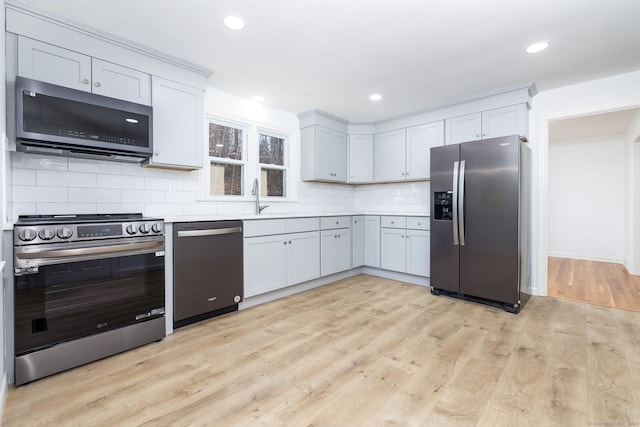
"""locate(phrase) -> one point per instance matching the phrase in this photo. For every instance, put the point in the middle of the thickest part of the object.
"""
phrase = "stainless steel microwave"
(57, 120)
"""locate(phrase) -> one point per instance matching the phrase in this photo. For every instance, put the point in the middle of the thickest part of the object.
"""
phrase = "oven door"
(72, 291)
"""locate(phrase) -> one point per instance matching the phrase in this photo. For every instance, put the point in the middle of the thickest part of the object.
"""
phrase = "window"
(272, 151)
(227, 159)
(241, 152)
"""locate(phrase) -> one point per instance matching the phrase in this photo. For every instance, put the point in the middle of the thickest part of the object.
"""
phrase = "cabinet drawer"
(264, 227)
(393, 221)
(418, 222)
(298, 225)
(329, 222)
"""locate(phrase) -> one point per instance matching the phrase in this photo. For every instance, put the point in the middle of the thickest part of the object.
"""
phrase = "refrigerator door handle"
(461, 202)
(455, 204)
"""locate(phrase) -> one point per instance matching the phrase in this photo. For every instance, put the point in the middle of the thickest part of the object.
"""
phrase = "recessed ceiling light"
(537, 47)
(233, 22)
(375, 97)
(259, 98)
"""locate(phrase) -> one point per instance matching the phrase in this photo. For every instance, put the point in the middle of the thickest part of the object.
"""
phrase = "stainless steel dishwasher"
(207, 270)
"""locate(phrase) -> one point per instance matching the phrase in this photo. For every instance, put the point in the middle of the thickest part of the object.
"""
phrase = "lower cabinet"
(357, 241)
(335, 255)
(405, 245)
(372, 241)
(274, 262)
(335, 244)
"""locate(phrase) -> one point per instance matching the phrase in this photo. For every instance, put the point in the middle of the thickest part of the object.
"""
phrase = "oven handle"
(81, 252)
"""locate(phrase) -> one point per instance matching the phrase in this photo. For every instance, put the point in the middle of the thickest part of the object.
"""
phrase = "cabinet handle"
(285, 242)
(85, 81)
(289, 241)
(97, 84)
(419, 223)
(402, 173)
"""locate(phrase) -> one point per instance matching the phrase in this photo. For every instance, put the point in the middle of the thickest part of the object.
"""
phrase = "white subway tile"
(65, 179)
(143, 196)
(95, 166)
(37, 161)
(65, 208)
(120, 207)
(18, 209)
(25, 194)
(161, 210)
(23, 177)
(120, 181)
(95, 195)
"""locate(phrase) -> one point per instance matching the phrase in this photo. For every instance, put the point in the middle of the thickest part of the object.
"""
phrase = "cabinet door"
(328, 244)
(360, 158)
(340, 151)
(303, 257)
(372, 241)
(343, 249)
(393, 249)
(52, 64)
(463, 128)
(418, 252)
(505, 121)
(389, 156)
(264, 264)
(357, 241)
(177, 125)
(420, 139)
(120, 82)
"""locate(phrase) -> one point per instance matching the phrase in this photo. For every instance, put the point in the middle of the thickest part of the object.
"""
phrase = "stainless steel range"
(86, 287)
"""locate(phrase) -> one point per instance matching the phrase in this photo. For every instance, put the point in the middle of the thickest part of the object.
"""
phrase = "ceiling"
(419, 54)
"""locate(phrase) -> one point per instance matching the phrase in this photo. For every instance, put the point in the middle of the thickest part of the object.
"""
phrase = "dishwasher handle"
(209, 232)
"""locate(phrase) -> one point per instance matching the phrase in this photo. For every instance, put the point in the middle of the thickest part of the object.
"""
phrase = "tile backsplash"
(39, 184)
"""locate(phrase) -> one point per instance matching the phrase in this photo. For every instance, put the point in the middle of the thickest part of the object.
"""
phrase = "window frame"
(285, 167)
(251, 162)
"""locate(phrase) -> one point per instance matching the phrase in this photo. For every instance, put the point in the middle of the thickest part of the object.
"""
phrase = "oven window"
(66, 301)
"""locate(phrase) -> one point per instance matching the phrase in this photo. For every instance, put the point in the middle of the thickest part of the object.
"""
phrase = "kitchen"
(88, 186)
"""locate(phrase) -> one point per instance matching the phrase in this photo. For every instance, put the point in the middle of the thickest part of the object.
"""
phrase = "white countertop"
(222, 217)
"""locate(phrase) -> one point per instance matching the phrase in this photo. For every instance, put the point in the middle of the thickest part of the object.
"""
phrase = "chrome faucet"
(256, 192)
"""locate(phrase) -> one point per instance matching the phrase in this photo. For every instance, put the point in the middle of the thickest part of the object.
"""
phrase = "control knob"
(131, 229)
(156, 227)
(27, 235)
(65, 233)
(144, 228)
(46, 234)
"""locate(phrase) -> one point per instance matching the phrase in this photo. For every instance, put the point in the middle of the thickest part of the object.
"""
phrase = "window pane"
(226, 179)
(271, 150)
(225, 142)
(272, 182)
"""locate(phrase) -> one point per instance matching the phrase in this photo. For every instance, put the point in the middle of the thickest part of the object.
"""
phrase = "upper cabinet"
(63, 67)
(360, 159)
(323, 154)
(177, 125)
(404, 154)
(511, 120)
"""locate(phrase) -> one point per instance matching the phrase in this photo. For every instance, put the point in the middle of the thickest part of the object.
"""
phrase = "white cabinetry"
(59, 66)
(178, 132)
(511, 120)
(275, 261)
(420, 139)
(404, 154)
(360, 158)
(389, 156)
(357, 241)
(405, 244)
(323, 154)
(335, 245)
(372, 241)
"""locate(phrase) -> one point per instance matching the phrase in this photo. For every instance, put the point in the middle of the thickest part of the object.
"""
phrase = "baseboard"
(3, 395)
(585, 257)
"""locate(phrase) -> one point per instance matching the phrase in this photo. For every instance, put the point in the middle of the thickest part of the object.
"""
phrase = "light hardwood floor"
(603, 283)
(364, 351)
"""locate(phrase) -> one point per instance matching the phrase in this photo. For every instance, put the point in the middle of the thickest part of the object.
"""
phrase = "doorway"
(588, 210)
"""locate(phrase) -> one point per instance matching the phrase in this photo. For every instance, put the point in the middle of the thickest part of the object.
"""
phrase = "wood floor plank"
(362, 351)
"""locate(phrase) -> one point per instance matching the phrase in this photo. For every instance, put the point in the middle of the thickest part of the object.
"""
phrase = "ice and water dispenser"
(443, 205)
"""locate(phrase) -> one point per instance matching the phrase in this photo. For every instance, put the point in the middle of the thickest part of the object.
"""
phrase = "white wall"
(585, 176)
(607, 94)
(632, 192)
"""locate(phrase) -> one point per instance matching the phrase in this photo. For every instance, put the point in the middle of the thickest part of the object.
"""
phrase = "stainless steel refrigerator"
(479, 221)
